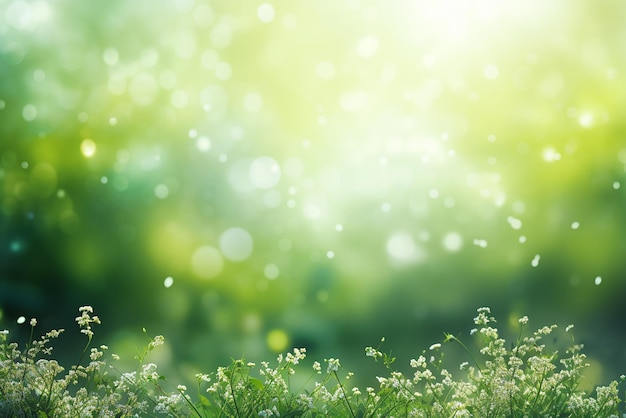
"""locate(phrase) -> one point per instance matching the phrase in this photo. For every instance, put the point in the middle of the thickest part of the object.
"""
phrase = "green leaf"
(255, 383)
(204, 401)
(295, 413)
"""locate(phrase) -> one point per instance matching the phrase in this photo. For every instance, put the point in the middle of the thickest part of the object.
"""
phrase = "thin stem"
(453, 338)
(345, 396)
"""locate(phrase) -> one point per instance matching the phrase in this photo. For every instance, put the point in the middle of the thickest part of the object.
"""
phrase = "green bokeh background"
(328, 171)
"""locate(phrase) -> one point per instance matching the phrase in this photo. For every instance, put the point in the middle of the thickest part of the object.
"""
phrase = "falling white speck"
(616, 185)
(21, 320)
(168, 282)
(339, 227)
(330, 254)
(480, 243)
(522, 239)
(535, 261)
(385, 207)
(514, 222)
(575, 225)
(598, 280)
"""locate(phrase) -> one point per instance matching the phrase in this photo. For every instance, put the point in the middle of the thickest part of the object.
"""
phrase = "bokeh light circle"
(236, 244)
(206, 262)
(264, 173)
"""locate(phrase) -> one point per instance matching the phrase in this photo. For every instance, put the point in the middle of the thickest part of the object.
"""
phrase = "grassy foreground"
(495, 381)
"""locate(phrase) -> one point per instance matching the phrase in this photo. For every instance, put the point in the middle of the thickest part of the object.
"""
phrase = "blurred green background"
(244, 177)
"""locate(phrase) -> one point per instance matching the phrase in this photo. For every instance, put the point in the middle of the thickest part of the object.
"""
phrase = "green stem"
(345, 396)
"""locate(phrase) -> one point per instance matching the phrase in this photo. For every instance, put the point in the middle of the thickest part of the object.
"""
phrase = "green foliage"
(525, 380)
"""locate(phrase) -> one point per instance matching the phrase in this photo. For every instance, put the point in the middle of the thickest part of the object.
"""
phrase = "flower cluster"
(32, 384)
(499, 379)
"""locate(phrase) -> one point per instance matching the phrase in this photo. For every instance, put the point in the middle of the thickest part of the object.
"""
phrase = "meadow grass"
(525, 380)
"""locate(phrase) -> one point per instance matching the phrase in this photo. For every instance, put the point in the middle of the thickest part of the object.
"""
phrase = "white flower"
(33, 322)
(372, 352)
(333, 365)
(435, 346)
(317, 367)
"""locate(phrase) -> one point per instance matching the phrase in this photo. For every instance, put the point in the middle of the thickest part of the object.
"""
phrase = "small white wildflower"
(155, 342)
(54, 333)
(420, 362)
(95, 354)
(569, 328)
(115, 357)
(356, 391)
(317, 367)
(435, 346)
(250, 364)
(181, 388)
(473, 331)
(372, 352)
(523, 320)
(33, 322)
(464, 365)
(546, 330)
(333, 365)
(203, 377)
